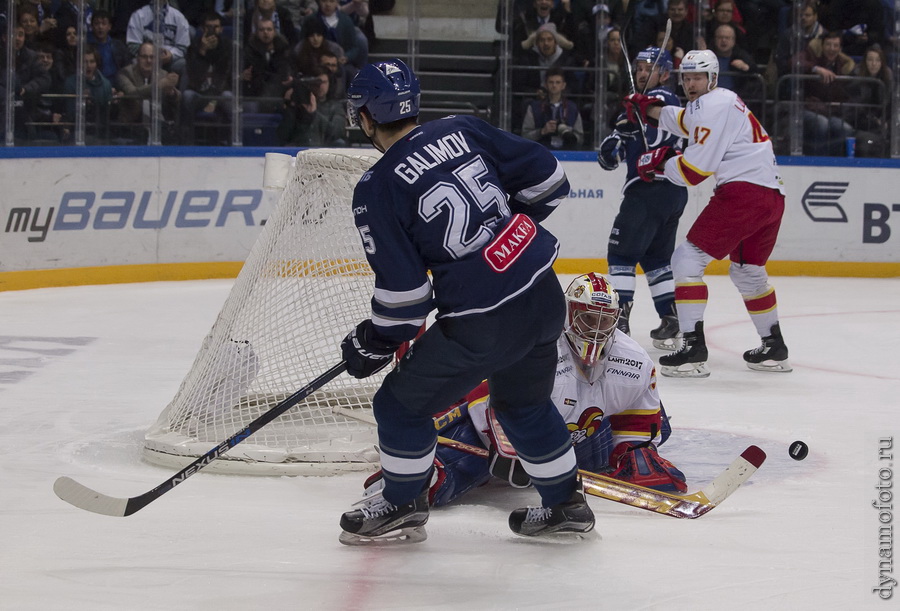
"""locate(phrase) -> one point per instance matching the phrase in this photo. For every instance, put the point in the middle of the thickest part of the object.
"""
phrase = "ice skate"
(666, 336)
(573, 516)
(624, 312)
(378, 522)
(772, 355)
(689, 361)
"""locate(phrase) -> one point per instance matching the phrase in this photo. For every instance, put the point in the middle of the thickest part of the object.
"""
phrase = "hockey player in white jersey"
(605, 390)
(740, 221)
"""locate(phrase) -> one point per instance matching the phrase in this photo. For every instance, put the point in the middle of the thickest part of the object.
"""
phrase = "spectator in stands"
(726, 12)
(541, 12)
(676, 54)
(49, 109)
(638, 21)
(208, 71)
(334, 111)
(97, 90)
(135, 81)
(267, 71)
(759, 17)
(682, 35)
(339, 28)
(735, 62)
(554, 121)
(549, 50)
(309, 51)
(43, 9)
(67, 55)
(337, 88)
(27, 18)
(299, 9)
(810, 29)
(31, 79)
(358, 12)
(175, 30)
(872, 120)
(265, 10)
(861, 21)
(824, 131)
(302, 124)
(114, 55)
(67, 15)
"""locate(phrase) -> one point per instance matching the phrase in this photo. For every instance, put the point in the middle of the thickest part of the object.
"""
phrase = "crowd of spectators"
(295, 54)
(842, 69)
(298, 56)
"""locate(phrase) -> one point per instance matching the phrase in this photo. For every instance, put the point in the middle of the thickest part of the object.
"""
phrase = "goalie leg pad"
(457, 471)
(640, 464)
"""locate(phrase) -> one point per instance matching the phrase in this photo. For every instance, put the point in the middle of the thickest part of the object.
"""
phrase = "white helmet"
(592, 311)
(700, 61)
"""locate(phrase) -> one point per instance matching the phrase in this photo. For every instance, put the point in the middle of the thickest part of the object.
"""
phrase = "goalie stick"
(687, 506)
(83, 497)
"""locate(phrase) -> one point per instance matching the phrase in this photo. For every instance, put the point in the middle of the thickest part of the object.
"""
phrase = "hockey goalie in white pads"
(605, 389)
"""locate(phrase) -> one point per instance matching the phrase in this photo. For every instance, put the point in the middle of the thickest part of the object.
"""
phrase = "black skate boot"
(378, 522)
(624, 313)
(666, 336)
(573, 516)
(689, 361)
(772, 355)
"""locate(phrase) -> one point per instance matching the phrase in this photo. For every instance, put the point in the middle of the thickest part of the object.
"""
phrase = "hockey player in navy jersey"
(605, 390)
(644, 229)
(462, 200)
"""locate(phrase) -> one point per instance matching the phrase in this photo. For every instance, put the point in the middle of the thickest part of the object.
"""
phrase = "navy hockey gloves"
(364, 353)
(611, 152)
(639, 463)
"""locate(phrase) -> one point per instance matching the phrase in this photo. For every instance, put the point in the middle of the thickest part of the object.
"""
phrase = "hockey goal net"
(304, 285)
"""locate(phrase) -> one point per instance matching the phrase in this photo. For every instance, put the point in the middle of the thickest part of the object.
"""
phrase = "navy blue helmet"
(649, 55)
(389, 91)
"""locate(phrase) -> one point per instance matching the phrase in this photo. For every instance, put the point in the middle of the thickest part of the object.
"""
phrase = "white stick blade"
(736, 474)
(83, 497)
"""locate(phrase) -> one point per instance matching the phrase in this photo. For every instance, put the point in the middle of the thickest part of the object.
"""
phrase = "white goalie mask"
(592, 311)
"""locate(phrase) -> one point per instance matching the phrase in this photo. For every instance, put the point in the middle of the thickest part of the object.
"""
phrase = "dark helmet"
(649, 55)
(389, 91)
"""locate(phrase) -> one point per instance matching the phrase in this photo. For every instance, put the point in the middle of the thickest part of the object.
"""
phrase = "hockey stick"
(633, 87)
(83, 497)
(661, 49)
(688, 506)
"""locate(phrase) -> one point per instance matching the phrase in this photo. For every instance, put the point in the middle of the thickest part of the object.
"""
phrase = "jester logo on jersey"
(588, 423)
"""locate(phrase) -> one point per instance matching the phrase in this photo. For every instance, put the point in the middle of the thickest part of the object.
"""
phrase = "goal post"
(303, 287)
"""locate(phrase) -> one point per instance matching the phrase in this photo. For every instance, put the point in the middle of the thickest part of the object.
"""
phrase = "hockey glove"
(509, 470)
(653, 161)
(639, 463)
(636, 105)
(364, 353)
(611, 151)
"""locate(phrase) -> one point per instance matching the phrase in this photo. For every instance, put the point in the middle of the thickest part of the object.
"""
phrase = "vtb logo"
(588, 423)
(820, 202)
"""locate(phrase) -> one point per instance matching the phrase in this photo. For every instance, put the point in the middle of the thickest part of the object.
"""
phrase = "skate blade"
(670, 344)
(688, 370)
(772, 366)
(404, 536)
(562, 536)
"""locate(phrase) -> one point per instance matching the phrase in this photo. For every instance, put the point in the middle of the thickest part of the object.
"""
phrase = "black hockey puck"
(798, 450)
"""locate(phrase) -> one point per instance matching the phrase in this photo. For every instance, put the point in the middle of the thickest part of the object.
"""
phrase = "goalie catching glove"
(364, 353)
(636, 105)
(639, 463)
(653, 161)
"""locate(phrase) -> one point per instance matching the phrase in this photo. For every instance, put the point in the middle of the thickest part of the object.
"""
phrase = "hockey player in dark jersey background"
(644, 229)
(462, 200)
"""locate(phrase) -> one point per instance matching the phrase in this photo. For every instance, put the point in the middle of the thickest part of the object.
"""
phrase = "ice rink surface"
(85, 370)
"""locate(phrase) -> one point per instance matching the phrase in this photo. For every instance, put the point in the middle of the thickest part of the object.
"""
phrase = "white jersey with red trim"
(625, 394)
(724, 138)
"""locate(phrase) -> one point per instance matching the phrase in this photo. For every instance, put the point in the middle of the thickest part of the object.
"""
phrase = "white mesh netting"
(304, 285)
